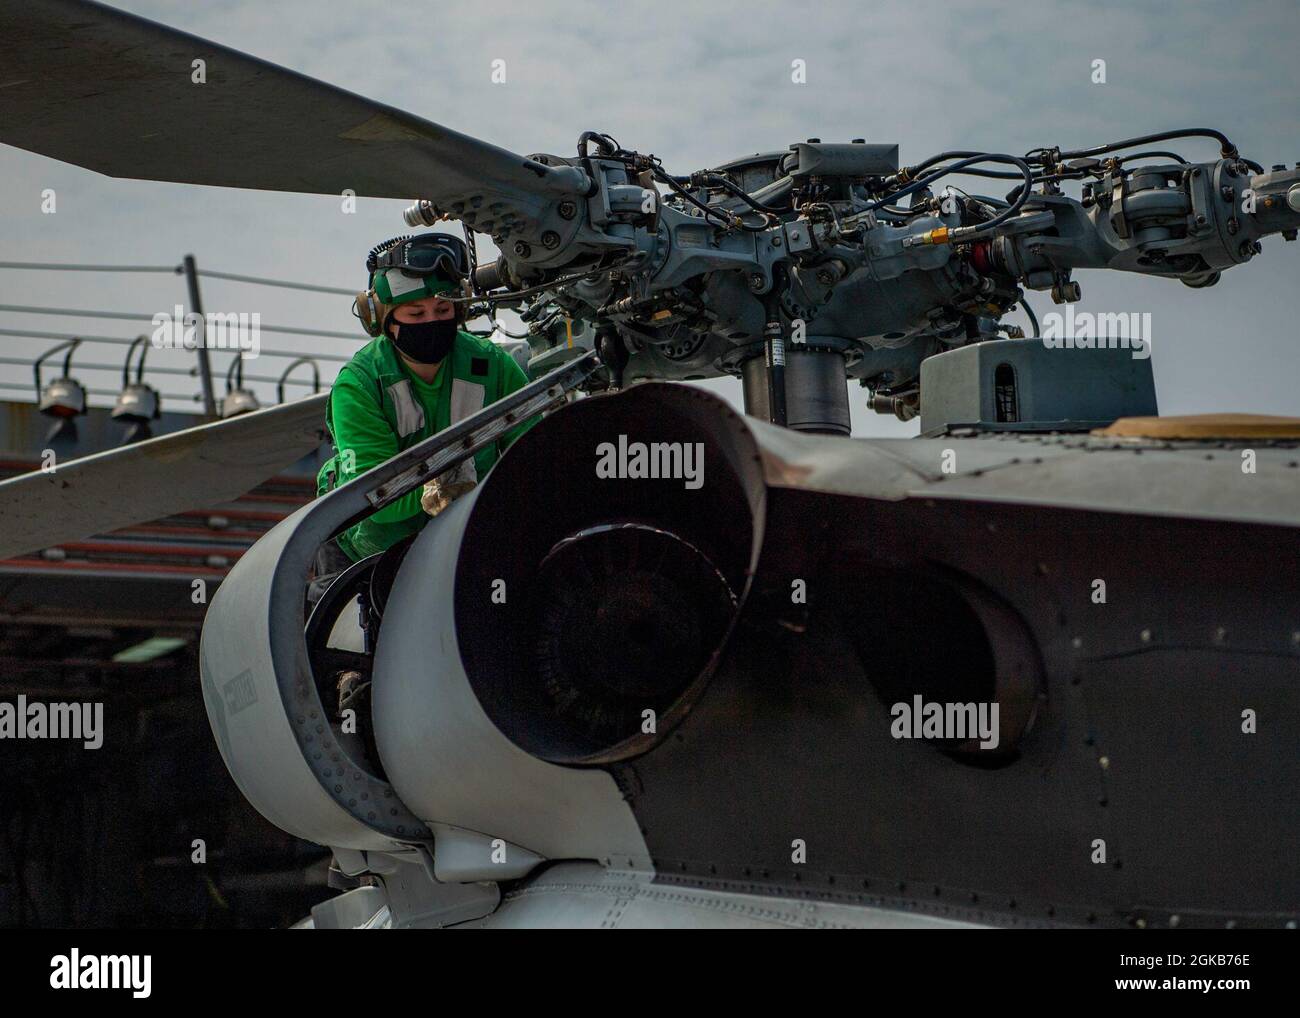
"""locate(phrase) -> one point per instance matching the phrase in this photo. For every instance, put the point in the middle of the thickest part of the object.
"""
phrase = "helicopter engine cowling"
(559, 617)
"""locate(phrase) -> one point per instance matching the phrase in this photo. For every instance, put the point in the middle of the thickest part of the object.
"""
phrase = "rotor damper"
(815, 386)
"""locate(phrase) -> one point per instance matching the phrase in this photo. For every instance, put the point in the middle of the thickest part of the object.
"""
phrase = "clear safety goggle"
(424, 255)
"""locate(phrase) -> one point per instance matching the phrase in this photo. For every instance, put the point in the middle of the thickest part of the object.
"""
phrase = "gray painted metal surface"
(451, 764)
(583, 896)
(1023, 385)
(1199, 480)
(246, 665)
(153, 122)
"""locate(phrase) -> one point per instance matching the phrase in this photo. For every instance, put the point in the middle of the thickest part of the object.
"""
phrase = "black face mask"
(425, 342)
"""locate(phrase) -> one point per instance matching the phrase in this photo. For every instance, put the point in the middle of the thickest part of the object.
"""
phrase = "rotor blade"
(112, 92)
(188, 469)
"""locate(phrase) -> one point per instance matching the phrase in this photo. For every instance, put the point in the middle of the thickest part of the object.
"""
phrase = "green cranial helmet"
(393, 286)
(410, 268)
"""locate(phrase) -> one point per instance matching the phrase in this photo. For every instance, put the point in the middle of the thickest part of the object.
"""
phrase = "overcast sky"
(695, 84)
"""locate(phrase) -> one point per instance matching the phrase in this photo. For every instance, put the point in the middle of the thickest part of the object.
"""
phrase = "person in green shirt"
(420, 374)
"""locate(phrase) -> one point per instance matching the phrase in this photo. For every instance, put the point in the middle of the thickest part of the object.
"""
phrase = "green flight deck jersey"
(378, 408)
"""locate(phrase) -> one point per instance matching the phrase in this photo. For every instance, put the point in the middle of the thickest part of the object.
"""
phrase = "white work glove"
(451, 484)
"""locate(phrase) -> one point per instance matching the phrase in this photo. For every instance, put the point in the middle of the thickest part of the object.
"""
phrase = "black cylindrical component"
(489, 276)
(775, 360)
(816, 391)
(753, 383)
(613, 354)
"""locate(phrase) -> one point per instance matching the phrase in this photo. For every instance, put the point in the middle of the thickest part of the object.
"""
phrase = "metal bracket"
(1117, 221)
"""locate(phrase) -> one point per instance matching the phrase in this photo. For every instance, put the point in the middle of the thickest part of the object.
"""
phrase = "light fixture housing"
(138, 403)
(63, 398)
(237, 399)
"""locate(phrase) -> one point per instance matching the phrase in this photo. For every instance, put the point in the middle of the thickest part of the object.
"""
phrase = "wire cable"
(153, 370)
(285, 284)
(175, 270)
(926, 180)
(497, 298)
(61, 267)
(137, 316)
(1228, 149)
(1032, 318)
(967, 233)
(119, 340)
(1155, 154)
